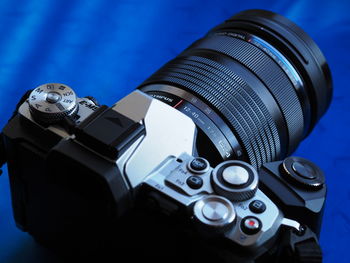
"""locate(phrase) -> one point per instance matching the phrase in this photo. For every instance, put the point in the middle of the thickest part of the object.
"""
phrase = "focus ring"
(263, 66)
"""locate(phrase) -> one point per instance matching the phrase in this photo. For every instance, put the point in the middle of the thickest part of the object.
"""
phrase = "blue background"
(107, 48)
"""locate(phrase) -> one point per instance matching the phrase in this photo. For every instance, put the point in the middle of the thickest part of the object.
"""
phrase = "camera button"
(303, 173)
(303, 170)
(236, 180)
(257, 206)
(199, 165)
(214, 214)
(251, 225)
(235, 175)
(195, 182)
(215, 211)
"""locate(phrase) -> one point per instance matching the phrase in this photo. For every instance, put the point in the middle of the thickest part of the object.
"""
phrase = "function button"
(257, 206)
(235, 175)
(195, 182)
(199, 165)
(250, 225)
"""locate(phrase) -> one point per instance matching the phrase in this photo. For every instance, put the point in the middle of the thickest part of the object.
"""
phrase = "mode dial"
(236, 180)
(50, 103)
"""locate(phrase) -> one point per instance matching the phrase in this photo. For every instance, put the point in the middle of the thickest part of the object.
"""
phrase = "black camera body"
(67, 188)
(195, 160)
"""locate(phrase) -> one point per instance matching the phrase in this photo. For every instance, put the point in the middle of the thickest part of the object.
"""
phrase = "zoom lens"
(255, 86)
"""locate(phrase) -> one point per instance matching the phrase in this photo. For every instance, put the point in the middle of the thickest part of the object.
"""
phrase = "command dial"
(50, 103)
(303, 173)
(236, 180)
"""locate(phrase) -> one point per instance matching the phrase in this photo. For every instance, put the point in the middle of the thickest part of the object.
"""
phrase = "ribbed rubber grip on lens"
(230, 95)
(266, 69)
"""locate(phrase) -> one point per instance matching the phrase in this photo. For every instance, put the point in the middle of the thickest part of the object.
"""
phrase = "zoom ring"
(268, 71)
(249, 104)
(237, 100)
(232, 97)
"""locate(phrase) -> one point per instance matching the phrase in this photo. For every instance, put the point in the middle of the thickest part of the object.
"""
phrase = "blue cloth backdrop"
(107, 48)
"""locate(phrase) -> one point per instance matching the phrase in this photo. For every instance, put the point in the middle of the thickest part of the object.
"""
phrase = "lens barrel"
(261, 74)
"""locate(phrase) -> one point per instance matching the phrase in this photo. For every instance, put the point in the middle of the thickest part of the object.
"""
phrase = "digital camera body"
(193, 165)
(72, 182)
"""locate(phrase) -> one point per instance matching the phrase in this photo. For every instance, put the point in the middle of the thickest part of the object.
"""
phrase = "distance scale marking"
(200, 119)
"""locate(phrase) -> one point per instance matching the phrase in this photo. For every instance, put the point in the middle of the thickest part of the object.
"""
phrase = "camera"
(194, 164)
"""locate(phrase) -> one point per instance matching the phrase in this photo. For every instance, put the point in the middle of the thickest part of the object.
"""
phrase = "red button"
(251, 225)
(251, 222)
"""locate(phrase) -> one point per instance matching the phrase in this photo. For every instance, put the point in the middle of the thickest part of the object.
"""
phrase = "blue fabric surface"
(107, 48)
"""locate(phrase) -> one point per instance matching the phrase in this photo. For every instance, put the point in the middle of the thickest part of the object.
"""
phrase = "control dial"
(214, 213)
(303, 173)
(236, 180)
(50, 103)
